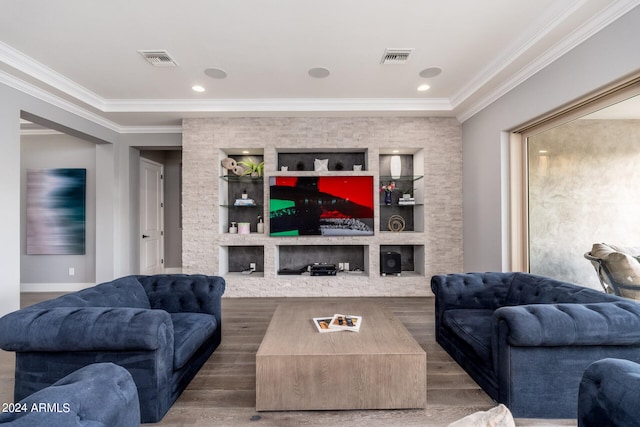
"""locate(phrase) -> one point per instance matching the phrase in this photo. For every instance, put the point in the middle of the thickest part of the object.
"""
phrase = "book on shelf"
(244, 202)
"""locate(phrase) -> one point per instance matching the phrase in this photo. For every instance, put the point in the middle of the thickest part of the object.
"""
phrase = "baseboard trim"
(54, 287)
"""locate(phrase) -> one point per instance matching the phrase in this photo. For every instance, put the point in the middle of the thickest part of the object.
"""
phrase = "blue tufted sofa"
(608, 395)
(527, 339)
(161, 328)
(98, 395)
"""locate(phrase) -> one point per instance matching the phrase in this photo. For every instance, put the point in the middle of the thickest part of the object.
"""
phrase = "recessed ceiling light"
(245, 151)
(319, 72)
(197, 88)
(423, 88)
(216, 73)
(430, 72)
(395, 151)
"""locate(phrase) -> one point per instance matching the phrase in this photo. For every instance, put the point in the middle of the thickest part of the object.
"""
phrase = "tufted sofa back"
(176, 293)
(123, 292)
(532, 289)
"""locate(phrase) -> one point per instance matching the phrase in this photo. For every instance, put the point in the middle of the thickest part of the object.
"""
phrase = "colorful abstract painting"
(56, 211)
(326, 206)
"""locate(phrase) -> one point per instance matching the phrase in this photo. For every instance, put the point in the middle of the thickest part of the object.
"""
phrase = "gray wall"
(582, 190)
(59, 151)
(116, 253)
(604, 58)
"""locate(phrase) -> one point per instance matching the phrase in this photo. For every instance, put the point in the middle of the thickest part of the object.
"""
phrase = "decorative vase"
(396, 167)
(387, 197)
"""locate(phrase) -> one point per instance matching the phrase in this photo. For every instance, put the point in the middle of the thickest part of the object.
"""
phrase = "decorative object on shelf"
(233, 229)
(396, 223)
(396, 167)
(244, 194)
(339, 166)
(357, 168)
(406, 200)
(321, 165)
(260, 225)
(388, 191)
(300, 166)
(251, 167)
(244, 228)
(284, 168)
(231, 165)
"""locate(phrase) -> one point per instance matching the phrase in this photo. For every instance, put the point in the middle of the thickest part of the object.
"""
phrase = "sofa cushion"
(473, 326)
(533, 289)
(124, 292)
(190, 331)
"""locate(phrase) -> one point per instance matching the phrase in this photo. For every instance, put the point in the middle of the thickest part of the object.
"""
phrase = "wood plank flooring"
(223, 392)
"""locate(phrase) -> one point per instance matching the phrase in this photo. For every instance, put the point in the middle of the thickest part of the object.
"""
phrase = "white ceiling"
(83, 55)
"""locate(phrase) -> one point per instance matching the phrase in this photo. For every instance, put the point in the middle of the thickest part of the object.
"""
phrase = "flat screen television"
(321, 206)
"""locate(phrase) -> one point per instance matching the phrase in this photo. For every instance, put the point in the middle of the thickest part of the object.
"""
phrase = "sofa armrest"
(608, 394)
(609, 323)
(85, 329)
(181, 293)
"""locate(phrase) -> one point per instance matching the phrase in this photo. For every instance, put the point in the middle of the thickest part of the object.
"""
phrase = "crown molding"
(514, 50)
(41, 72)
(43, 95)
(279, 105)
(578, 36)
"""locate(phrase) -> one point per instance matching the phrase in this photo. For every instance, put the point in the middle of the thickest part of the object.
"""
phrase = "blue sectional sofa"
(98, 395)
(161, 328)
(526, 339)
(609, 394)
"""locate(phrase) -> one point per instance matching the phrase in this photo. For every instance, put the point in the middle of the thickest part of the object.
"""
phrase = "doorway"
(151, 217)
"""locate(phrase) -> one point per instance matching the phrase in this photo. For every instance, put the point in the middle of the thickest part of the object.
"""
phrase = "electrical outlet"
(341, 266)
(252, 266)
(72, 271)
(346, 266)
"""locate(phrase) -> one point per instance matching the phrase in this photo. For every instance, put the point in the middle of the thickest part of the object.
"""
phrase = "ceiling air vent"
(158, 58)
(396, 56)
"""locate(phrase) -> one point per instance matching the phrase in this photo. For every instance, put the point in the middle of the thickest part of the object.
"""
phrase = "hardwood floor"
(223, 392)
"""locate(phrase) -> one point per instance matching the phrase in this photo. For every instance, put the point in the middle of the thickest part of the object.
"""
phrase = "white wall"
(604, 58)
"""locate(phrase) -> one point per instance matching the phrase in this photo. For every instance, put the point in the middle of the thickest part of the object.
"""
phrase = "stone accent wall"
(206, 140)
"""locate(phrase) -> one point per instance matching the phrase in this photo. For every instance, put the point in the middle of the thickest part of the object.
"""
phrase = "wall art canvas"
(323, 206)
(56, 211)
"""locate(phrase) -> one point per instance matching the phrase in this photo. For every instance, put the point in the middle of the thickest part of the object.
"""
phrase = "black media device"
(321, 269)
(390, 263)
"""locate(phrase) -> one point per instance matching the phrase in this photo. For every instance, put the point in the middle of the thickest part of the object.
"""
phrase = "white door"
(151, 217)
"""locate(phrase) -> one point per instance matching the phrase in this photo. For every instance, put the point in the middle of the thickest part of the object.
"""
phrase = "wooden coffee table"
(299, 368)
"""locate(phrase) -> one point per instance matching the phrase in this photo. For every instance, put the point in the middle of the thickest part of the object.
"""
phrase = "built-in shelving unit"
(357, 257)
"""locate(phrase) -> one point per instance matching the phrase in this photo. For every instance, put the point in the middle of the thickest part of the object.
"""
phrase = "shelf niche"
(337, 161)
(410, 181)
(231, 188)
(294, 257)
(235, 259)
(411, 257)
